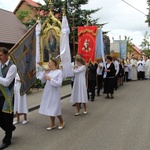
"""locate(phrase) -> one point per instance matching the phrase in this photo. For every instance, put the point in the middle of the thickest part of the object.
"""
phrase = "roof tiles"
(11, 29)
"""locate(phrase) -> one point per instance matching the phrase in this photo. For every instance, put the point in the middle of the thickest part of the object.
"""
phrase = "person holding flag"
(7, 78)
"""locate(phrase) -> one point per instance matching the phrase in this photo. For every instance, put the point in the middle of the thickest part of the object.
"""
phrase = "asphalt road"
(122, 123)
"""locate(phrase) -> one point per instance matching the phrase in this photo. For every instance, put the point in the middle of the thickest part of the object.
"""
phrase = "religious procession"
(93, 65)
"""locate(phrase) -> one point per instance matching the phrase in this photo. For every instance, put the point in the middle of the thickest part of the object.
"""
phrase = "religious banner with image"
(23, 55)
(122, 48)
(87, 42)
(115, 49)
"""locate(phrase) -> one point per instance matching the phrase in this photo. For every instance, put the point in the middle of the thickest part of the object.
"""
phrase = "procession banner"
(100, 46)
(115, 49)
(23, 55)
(122, 48)
(87, 42)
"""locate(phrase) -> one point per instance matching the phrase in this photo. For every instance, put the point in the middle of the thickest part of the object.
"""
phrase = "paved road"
(122, 123)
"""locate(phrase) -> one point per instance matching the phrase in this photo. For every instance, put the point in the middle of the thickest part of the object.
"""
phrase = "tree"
(130, 45)
(145, 45)
(22, 15)
(148, 15)
(74, 12)
(78, 17)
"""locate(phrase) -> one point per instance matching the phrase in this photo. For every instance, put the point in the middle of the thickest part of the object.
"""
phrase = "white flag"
(65, 55)
(39, 69)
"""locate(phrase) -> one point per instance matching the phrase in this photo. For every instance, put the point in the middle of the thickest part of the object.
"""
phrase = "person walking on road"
(110, 77)
(50, 103)
(7, 78)
(92, 76)
(133, 69)
(99, 75)
(79, 91)
(20, 102)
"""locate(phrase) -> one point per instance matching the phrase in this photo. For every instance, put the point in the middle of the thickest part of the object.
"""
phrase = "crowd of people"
(89, 78)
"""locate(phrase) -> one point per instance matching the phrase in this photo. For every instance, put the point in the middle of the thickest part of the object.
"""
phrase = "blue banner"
(23, 56)
(123, 49)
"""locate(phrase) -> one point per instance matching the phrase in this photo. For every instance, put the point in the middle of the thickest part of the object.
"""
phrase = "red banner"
(87, 42)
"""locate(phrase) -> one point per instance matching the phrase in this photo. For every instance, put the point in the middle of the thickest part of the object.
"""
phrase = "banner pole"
(87, 21)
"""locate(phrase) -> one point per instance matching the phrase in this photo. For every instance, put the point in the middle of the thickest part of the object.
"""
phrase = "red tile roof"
(11, 29)
(137, 49)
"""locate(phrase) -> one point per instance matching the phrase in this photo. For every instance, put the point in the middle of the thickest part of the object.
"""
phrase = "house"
(25, 5)
(137, 53)
(11, 29)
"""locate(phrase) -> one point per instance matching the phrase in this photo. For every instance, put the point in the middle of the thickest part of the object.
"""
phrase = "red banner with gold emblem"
(87, 42)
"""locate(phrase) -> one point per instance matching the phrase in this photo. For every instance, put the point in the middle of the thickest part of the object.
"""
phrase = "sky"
(122, 19)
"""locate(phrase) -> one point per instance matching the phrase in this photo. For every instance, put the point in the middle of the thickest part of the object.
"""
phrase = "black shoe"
(13, 128)
(92, 100)
(74, 104)
(4, 145)
(111, 97)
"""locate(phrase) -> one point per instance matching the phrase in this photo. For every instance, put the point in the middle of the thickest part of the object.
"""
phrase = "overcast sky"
(122, 19)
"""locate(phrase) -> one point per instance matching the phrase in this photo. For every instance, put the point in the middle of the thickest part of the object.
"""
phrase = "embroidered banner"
(87, 42)
(23, 55)
(115, 49)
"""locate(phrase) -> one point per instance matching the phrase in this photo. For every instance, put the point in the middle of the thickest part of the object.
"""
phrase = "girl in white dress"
(79, 91)
(50, 103)
(20, 102)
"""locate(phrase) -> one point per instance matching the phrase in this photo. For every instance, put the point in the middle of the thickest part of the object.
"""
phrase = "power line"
(134, 7)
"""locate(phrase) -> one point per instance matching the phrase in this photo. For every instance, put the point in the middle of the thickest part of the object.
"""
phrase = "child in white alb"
(20, 102)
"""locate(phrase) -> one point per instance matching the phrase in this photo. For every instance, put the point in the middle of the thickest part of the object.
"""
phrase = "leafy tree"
(145, 45)
(22, 15)
(130, 45)
(78, 17)
(75, 14)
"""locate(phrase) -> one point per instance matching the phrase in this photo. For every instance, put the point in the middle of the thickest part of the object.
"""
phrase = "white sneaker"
(16, 122)
(24, 122)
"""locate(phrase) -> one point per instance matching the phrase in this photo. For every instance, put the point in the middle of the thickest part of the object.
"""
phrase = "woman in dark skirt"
(109, 79)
